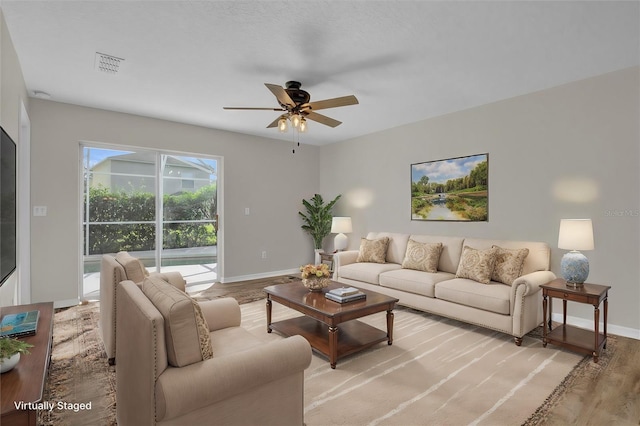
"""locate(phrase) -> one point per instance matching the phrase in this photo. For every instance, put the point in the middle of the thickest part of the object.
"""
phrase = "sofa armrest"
(221, 313)
(182, 390)
(343, 258)
(173, 278)
(531, 282)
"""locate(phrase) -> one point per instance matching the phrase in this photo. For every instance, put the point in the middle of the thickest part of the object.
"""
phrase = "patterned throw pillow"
(422, 256)
(509, 264)
(186, 330)
(374, 251)
(476, 264)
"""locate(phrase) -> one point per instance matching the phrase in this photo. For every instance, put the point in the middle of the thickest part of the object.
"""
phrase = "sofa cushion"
(422, 256)
(133, 267)
(508, 265)
(366, 272)
(476, 264)
(186, 330)
(493, 297)
(412, 281)
(397, 244)
(374, 251)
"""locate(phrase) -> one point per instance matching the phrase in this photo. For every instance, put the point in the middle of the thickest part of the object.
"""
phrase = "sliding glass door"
(123, 212)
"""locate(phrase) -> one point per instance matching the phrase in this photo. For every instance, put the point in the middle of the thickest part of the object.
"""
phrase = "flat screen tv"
(8, 194)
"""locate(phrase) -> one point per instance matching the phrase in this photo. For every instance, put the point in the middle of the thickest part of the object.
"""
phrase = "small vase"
(317, 255)
(316, 283)
(7, 364)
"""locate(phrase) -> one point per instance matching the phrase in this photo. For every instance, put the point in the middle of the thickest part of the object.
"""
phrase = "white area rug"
(437, 371)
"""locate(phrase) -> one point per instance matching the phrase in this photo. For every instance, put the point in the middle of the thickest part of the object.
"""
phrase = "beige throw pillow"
(133, 267)
(374, 251)
(509, 264)
(186, 330)
(422, 256)
(476, 264)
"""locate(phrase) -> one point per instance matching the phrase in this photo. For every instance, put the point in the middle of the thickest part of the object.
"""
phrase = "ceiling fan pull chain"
(293, 139)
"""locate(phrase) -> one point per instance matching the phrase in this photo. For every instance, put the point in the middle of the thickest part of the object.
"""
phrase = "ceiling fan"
(295, 103)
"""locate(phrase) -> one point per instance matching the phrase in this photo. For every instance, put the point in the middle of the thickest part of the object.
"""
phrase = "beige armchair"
(113, 270)
(228, 377)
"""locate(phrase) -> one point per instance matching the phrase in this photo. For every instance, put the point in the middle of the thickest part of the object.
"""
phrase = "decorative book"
(345, 299)
(344, 291)
(19, 325)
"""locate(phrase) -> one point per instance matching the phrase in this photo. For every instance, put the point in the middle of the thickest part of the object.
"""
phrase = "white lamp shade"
(341, 225)
(576, 234)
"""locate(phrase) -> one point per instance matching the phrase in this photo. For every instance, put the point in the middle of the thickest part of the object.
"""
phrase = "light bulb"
(282, 125)
(303, 125)
(295, 120)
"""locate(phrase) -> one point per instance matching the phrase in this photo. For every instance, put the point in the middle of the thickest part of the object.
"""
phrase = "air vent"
(107, 63)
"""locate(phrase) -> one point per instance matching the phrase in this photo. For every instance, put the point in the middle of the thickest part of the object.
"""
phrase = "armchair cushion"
(133, 267)
(186, 330)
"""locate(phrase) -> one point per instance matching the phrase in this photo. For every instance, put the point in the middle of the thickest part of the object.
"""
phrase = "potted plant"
(10, 350)
(317, 221)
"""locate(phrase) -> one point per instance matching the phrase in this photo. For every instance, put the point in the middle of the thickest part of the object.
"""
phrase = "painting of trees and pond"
(456, 189)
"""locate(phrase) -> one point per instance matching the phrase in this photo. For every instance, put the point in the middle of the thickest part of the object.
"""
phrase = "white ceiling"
(404, 60)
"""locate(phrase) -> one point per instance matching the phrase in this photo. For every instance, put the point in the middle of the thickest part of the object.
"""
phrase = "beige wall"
(13, 94)
(566, 152)
(258, 173)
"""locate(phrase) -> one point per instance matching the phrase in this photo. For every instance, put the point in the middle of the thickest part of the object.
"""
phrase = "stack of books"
(345, 294)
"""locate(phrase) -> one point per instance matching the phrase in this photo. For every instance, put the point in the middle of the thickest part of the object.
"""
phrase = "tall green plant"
(317, 221)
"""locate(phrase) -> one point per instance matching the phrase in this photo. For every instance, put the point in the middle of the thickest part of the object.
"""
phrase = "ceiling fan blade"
(274, 123)
(332, 103)
(322, 119)
(281, 94)
(255, 109)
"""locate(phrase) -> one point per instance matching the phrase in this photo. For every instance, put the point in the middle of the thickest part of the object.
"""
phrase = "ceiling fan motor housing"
(296, 94)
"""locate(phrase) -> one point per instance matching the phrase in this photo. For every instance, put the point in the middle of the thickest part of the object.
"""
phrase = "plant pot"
(317, 255)
(7, 364)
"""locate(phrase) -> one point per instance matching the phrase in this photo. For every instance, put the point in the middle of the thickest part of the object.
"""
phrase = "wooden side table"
(328, 259)
(575, 338)
(25, 383)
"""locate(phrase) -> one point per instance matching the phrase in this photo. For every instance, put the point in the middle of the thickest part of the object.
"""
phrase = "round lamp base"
(574, 268)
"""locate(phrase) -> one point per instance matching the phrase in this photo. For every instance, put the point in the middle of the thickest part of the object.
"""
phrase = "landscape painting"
(456, 189)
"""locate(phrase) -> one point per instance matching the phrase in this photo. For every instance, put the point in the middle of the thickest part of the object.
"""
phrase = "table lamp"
(340, 226)
(574, 235)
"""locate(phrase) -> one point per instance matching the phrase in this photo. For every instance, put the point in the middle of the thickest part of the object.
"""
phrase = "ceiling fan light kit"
(295, 102)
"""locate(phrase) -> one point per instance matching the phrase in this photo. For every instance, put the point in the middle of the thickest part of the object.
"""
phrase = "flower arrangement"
(315, 277)
(310, 271)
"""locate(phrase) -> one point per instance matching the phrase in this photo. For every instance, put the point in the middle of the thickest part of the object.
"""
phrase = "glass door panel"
(189, 217)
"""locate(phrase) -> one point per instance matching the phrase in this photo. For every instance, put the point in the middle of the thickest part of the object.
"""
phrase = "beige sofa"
(187, 363)
(514, 308)
(113, 270)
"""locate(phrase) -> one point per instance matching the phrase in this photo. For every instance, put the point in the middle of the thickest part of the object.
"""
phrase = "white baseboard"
(588, 325)
(260, 276)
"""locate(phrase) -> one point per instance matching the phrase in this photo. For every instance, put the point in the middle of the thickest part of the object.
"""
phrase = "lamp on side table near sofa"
(340, 226)
(574, 235)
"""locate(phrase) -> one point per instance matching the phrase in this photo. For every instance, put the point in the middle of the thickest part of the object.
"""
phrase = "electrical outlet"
(264, 254)
(39, 210)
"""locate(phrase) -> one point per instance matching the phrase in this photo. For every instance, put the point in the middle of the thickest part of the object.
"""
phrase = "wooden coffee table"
(25, 383)
(330, 327)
